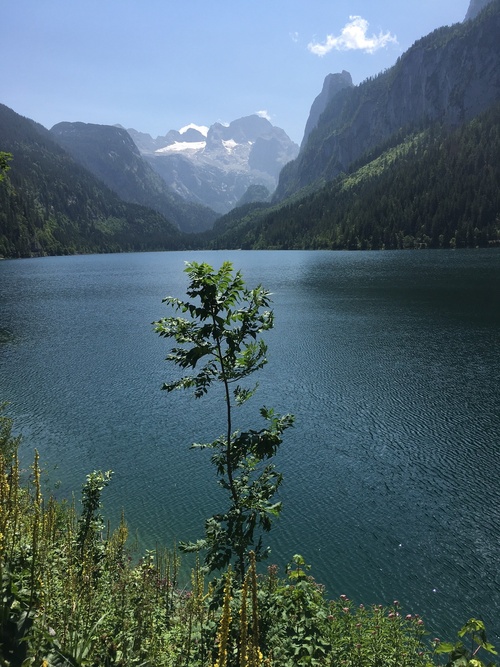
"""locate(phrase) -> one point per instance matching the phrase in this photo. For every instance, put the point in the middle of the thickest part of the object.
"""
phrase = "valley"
(406, 159)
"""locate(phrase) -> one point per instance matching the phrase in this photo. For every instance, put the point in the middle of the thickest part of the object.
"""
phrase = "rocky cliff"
(475, 7)
(216, 165)
(332, 85)
(448, 76)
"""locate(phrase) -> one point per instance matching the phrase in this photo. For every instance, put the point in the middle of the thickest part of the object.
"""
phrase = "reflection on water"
(389, 361)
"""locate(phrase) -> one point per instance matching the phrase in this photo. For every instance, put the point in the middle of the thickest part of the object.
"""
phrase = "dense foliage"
(4, 163)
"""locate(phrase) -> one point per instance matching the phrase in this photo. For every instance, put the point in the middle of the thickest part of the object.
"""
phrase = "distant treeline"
(434, 188)
(437, 188)
(49, 205)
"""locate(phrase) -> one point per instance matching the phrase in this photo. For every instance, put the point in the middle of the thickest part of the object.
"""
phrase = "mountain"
(475, 7)
(408, 159)
(111, 155)
(449, 76)
(50, 204)
(215, 166)
(438, 188)
(255, 193)
(332, 85)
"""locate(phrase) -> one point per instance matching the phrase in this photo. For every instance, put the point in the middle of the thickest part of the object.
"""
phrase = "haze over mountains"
(110, 154)
(363, 177)
(216, 165)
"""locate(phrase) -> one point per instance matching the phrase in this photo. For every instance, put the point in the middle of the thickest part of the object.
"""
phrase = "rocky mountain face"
(215, 166)
(475, 7)
(332, 85)
(449, 76)
(110, 154)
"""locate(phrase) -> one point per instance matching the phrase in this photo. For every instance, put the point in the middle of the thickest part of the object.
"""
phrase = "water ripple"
(388, 360)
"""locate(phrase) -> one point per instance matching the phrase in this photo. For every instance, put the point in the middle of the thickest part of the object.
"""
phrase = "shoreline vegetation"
(75, 593)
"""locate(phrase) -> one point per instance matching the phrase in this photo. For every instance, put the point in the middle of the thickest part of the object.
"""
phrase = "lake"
(389, 360)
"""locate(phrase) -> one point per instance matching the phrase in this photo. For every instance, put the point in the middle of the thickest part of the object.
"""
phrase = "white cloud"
(294, 36)
(353, 36)
(264, 114)
(201, 128)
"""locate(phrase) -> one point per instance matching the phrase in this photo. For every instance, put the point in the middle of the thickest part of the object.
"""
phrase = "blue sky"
(157, 65)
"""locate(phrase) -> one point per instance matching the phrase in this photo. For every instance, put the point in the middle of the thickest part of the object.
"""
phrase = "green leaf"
(490, 648)
(444, 647)
(221, 344)
(472, 625)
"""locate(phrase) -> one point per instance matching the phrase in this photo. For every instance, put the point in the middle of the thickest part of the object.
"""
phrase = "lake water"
(389, 360)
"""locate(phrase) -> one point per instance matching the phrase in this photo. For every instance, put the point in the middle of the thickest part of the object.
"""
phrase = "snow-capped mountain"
(216, 165)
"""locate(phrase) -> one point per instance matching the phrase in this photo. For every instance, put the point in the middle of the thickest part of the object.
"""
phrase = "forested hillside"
(51, 205)
(408, 159)
(449, 76)
(437, 188)
(110, 154)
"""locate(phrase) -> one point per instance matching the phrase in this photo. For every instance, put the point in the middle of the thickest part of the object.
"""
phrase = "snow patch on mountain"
(182, 146)
(216, 165)
(229, 145)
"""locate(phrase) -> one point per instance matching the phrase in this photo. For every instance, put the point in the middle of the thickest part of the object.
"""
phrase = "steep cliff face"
(332, 85)
(449, 76)
(475, 7)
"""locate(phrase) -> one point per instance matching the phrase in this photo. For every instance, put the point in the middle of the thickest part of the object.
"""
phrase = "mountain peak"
(215, 165)
(107, 137)
(201, 129)
(332, 85)
(475, 7)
